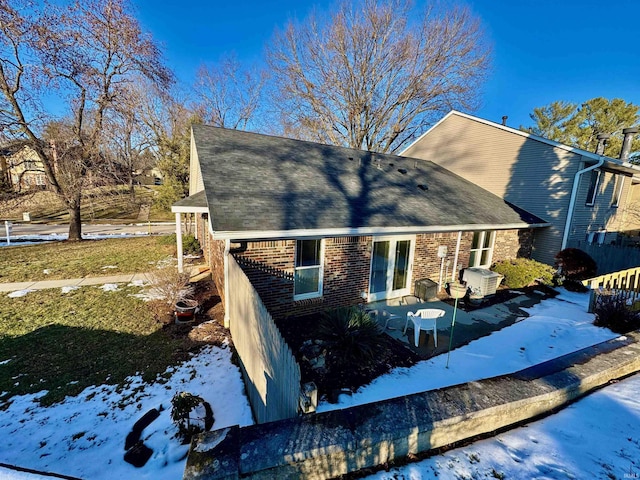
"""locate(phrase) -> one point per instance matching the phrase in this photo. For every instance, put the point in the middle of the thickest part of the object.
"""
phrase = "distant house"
(587, 198)
(21, 169)
(316, 226)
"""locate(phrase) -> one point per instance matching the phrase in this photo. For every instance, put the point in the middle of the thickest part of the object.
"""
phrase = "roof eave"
(367, 231)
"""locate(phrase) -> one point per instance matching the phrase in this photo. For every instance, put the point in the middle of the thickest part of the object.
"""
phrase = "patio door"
(391, 262)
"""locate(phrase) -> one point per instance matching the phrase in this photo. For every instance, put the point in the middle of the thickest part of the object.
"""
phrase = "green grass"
(63, 343)
(80, 259)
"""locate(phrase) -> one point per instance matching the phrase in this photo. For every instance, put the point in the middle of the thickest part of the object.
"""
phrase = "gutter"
(572, 201)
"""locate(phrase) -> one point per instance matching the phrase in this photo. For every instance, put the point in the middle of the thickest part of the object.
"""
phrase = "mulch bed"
(335, 378)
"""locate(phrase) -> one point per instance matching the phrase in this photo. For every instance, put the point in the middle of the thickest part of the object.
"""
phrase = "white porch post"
(179, 242)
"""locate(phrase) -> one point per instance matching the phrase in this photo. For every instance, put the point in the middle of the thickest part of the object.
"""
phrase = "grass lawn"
(64, 343)
(80, 259)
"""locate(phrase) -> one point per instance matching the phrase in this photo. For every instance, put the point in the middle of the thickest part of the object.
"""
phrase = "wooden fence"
(271, 373)
(610, 258)
(624, 285)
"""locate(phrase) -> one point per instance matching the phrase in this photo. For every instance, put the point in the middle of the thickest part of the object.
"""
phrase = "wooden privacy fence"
(271, 373)
(624, 285)
(610, 258)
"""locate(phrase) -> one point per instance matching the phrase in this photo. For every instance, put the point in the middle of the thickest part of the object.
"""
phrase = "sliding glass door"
(391, 261)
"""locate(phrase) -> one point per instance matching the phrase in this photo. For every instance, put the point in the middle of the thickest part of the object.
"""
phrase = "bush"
(191, 414)
(190, 244)
(612, 312)
(352, 335)
(522, 272)
(575, 264)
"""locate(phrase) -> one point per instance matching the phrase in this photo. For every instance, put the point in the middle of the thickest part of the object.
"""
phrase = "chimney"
(504, 120)
(626, 142)
(602, 142)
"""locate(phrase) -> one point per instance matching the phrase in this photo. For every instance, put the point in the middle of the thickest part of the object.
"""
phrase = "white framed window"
(482, 249)
(308, 269)
(593, 187)
(617, 190)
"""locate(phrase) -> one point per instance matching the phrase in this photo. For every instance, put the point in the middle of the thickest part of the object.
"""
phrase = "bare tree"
(371, 76)
(84, 54)
(228, 96)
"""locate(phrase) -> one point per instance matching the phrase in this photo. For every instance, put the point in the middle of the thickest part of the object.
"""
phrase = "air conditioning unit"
(482, 280)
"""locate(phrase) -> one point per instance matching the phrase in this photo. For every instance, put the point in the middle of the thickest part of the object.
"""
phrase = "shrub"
(191, 414)
(352, 335)
(612, 312)
(170, 285)
(190, 244)
(521, 272)
(575, 264)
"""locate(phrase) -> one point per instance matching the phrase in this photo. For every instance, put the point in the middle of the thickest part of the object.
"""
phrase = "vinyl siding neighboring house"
(529, 171)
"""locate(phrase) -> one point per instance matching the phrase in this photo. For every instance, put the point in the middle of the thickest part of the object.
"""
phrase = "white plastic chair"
(424, 319)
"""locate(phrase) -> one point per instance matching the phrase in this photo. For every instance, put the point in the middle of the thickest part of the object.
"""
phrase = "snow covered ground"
(554, 327)
(597, 437)
(84, 436)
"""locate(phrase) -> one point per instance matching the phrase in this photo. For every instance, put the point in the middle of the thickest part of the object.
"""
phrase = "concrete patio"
(469, 325)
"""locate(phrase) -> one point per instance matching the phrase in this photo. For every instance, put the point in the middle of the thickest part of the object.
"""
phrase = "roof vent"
(423, 187)
(351, 158)
(603, 139)
(403, 171)
(628, 133)
(391, 164)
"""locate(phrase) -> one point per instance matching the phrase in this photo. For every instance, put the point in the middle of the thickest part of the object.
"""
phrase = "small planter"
(185, 311)
(457, 290)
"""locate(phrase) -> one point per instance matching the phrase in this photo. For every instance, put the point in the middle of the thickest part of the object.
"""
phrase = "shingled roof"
(260, 186)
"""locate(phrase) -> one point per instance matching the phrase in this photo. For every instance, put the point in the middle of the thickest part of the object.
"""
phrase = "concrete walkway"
(198, 272)
(73, 282)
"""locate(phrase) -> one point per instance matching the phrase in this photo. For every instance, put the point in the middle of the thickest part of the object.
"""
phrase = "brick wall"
(270, 267)
(512, 244)
(426, 263)
(215, 255)
(347, 262)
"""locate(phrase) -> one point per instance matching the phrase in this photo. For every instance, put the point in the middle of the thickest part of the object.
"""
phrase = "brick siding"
(269, 265)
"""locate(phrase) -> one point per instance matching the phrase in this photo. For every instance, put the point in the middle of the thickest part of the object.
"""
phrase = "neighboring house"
(316, 226)
(21, 168)
(586, 197)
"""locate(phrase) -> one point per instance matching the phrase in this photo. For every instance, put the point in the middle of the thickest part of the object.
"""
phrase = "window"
(593, 187)
(482, 249)
(308, 269)
(617, 190)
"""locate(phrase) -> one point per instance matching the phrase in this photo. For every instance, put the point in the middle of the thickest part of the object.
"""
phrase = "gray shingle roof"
(259, 183)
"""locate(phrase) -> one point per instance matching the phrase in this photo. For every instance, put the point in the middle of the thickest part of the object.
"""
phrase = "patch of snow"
(109, 287)
(20, 293)
(107, 267)
(554, 328)
(69, 288)
(596, 437)
(46, 271)
(51, 440)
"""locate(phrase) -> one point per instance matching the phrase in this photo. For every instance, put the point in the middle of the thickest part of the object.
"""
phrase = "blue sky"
(544, 50)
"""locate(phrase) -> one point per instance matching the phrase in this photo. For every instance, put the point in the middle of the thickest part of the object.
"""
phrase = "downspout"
(454, 271)
(572, 200)
(227, 248)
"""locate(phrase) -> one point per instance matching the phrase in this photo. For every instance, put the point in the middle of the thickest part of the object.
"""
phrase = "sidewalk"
(198, 272)
(77, 282)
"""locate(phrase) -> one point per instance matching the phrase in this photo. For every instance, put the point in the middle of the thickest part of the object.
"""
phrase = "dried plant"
(170, 285)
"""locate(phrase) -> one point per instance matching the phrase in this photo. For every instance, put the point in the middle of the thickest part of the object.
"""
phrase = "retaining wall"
(330, 444)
